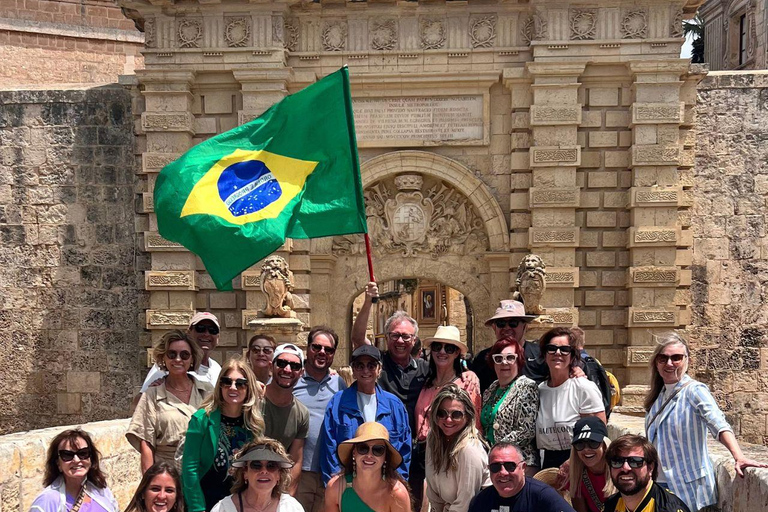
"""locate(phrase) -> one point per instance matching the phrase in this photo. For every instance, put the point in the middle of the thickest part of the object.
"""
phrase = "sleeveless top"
(350, 501)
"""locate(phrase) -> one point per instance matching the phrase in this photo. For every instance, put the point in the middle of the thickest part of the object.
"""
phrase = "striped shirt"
(679, 434)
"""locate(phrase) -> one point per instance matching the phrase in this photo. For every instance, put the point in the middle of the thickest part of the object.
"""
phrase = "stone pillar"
(659, 244)
(498, 266)
(261, 88)
(167, 123)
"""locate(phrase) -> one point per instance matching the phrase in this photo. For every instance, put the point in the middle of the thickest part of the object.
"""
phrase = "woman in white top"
(262, 476)
(562, 399)
(457, 463)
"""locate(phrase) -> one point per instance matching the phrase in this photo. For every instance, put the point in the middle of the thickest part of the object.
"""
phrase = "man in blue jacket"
(363, 401)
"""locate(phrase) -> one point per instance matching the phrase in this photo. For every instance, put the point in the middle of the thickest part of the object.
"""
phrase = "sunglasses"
(69, 455)
(282, 363)
(580, 445)
(664, 359)
(316, 347)
(211, 329)
(455, 415)
(226, 382)
(394, 336)
(504, 358)
(563, 349)
(362, 366)
(377, 449)
(265, 350)
(448, 348)
(495, 467)
(184, 355)
(271, 466)
(507, 323)
(633, 462)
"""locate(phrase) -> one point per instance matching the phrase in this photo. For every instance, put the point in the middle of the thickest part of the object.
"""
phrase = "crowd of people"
(521, 428)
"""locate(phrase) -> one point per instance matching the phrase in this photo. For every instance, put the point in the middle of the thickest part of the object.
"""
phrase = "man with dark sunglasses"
(512, 491)
(286, 419)
(634, 464)
(315, 388)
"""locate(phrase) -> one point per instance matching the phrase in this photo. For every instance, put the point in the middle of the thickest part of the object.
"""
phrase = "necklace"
(252, 507)
(180, 390)
(450, 378)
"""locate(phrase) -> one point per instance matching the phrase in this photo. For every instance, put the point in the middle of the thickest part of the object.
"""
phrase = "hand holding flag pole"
(370, 262)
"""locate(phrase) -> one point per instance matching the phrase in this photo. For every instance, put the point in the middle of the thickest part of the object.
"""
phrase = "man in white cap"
(204, 329)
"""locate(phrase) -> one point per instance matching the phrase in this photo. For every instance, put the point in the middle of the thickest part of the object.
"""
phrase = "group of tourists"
(280, 431)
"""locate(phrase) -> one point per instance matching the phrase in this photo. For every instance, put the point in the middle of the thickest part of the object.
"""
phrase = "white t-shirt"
(367, 404)
(287, 503)
(561, 407)
(209, 374)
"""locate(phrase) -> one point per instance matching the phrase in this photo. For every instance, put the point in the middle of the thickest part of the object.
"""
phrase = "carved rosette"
(534, 27)
(432, 34)
(634, 25)
(482, 31)
(384, 35)
(335, 36)
(583, 25)
(412, 215)
(290, 35)
(190, 32)
(676, 27)
(237, 32)
(150, 40)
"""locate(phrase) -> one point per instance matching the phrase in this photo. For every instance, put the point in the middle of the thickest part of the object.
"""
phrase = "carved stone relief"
(751, 29)
(583, 24)
(384, 35)
(676, 28)
(290, 35)
(190, 32)
(238, 32)
(634, 25)
(335, 36)
(531, 283)
(483, 32)
(150, 40)
(412, 215)
(278, 28)
(432, 34)
(534, 27)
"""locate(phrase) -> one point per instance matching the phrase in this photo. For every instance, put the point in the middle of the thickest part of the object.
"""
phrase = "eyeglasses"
(265, 350)
(257, 465)
(226, 382)
(504, 358)
(449, 348)
(69, 455)
(510, 466)
(360, 366)
(394, 336)
(580, 445)
(634, 462)
(563, 349)
(172, 355)
(454, 415)
(316, 347)
(507, 323)
(282, 363)
(211, 329)
(377, 449)
(664, 359)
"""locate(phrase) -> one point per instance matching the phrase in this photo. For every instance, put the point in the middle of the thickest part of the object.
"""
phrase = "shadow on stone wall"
(69, 267)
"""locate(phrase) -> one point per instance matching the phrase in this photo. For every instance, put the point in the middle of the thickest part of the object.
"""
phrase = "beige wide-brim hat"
(447, 334)
(511, 309)
(368, 431)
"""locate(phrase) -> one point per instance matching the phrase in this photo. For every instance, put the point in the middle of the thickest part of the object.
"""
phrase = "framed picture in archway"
(428, 305)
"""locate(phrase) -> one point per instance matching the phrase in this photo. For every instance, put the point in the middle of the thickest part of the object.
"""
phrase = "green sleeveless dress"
(350, 501)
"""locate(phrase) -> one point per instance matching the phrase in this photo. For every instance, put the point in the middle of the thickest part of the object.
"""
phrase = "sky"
(685, 52)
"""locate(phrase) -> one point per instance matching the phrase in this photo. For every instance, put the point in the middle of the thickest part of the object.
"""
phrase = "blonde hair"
(252, 404)
(345, 372)
(160, 348)
(577, 468)
(663, 341)
(239, 484)
(444, 451)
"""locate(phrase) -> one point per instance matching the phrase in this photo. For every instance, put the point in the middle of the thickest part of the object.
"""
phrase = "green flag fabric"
(293, 172)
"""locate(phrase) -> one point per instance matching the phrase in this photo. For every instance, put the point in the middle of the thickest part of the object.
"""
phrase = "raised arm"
(361, 322)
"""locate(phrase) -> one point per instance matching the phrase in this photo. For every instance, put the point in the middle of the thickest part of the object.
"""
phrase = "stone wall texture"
(69, 295)
(730, 252)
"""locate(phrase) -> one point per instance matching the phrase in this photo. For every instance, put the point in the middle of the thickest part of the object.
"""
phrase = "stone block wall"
(23, 455)
(730, 251)
(70, 294)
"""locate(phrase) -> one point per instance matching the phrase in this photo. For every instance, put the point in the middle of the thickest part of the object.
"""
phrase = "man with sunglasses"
(634, 465)
(286, 419)
(204, 329)
(315, 388)
(512, 491)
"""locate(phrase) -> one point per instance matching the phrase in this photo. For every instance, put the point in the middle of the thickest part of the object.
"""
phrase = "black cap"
(590, 428)
(367, 350)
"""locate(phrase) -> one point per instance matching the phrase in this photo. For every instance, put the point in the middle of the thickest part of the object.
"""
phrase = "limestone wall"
(69, 289)
(730, 252)
(23, 456)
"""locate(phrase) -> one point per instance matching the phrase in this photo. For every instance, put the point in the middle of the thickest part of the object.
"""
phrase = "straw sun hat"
(369, 431)
(447, 334)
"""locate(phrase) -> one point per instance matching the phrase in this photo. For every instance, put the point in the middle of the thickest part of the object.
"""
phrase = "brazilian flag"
(293, 172)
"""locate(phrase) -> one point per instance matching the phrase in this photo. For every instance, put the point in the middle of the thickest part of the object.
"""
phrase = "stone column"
(167, 123)
(261, 88)
(659, 244)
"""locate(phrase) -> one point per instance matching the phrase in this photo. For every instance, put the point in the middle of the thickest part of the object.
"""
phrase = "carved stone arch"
(453, 173)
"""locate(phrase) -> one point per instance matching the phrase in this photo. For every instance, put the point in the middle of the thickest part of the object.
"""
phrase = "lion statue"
(531, 283)
(277, 284)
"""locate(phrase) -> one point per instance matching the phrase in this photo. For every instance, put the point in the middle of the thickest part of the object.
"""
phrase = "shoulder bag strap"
(79, 500)
(666, 402)
(592, 494)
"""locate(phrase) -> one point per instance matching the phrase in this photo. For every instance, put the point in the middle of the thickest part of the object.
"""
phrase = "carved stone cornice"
(555, 68)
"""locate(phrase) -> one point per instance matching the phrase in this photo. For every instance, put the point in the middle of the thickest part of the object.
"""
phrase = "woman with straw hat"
(369, 481)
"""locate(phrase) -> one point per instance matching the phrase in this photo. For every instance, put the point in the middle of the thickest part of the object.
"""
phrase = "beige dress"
(161, 419)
